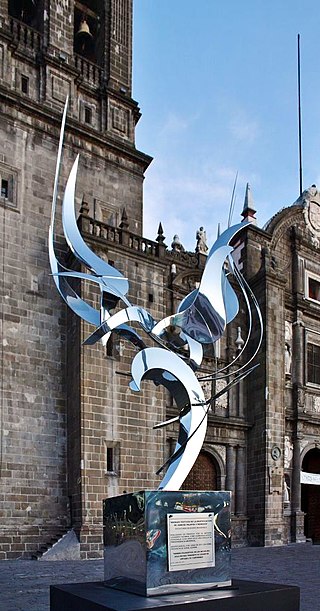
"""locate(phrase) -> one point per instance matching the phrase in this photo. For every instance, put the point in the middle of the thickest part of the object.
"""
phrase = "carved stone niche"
(311, 203)
(275, 480)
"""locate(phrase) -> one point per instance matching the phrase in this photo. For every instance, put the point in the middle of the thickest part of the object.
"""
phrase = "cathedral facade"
(72, 431)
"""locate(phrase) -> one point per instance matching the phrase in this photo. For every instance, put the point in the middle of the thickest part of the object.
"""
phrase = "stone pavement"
(24, 584)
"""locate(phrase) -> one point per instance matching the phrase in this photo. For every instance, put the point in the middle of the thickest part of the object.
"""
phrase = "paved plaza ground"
(24, 584)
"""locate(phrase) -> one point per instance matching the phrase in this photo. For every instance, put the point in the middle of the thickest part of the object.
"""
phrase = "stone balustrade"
(24, 35)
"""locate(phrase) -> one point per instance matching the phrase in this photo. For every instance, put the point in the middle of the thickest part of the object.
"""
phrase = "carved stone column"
(240, 500)
(231, 474)
(297, 522)
(298, 353)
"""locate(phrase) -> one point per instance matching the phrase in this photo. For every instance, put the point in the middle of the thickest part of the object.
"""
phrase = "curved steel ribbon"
(113, 280)
(200, 319)
(204, 313)
(168, 369)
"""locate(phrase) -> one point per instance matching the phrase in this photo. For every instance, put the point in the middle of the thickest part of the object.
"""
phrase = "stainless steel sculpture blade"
(168, 369)
(200, 320)
(114, 280)
(203, 314)
(74, 301)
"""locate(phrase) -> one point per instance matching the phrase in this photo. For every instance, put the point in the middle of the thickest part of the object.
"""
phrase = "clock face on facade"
(275, 452)
(314, 215)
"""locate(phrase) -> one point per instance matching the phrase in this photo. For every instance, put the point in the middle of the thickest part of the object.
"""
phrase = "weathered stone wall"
(33, 452)
(37, 71)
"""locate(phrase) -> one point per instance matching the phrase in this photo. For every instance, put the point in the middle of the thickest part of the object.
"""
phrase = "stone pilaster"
(231, 474)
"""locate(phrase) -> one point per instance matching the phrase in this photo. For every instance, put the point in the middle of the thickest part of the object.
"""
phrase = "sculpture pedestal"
(243, 595)
(167, 542)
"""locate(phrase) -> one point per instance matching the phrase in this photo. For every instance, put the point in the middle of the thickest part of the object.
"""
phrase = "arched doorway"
(310, 496)
(203, 475)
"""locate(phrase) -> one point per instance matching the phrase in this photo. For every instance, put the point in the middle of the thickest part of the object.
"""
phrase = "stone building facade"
(72, 432)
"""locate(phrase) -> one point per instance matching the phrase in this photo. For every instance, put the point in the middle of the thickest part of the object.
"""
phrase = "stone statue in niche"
(286, 489)
(288, 452)
(288, 348)
(201, 238)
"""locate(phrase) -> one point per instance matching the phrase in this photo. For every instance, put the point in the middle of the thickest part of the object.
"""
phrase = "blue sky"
(217, 86)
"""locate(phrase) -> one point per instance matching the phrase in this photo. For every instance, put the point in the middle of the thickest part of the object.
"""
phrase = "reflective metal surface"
(200, 320)
(137, 543)
(168, 369)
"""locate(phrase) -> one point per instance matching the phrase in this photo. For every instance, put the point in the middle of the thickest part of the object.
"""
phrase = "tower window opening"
(29, 12)
(88, 30)
(24, 84)
(87, 115)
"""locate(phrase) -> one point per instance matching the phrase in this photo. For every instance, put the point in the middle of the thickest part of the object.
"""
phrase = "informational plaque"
(190, 541)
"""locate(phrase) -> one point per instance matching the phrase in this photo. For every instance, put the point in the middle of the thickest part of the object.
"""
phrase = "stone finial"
(176, 244)
(124, 224)
(248, 211)
(201, 238)
(239, 341)
(162, 247)
(160, 237)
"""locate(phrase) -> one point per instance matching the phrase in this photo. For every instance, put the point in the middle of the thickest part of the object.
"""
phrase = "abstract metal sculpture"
(201, 319)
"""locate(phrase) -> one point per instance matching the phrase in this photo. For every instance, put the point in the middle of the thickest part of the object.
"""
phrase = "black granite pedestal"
(242, 596)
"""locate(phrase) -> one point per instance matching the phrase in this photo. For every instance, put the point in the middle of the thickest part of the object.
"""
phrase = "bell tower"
(48, 51)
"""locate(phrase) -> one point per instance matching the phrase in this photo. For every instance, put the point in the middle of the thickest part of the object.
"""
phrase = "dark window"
(89, 30)
(24, 84)
(4, 188)
(113, 346)
(29, 12)
(110, 459)
(87, 115)
(313, 289)
(313, 364)
(8, 186)
(150, 298)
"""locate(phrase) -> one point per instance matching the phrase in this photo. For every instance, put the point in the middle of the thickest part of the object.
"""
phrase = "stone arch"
(310, 446)
(186, 280)
(310, 493)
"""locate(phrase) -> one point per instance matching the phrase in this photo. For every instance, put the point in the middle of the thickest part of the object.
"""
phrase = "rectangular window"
(112, 457)
(313, 289)
(24, 84)
(113, 347)
(313, 363)
(87, 115)
(8, 185)
(4, 188)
